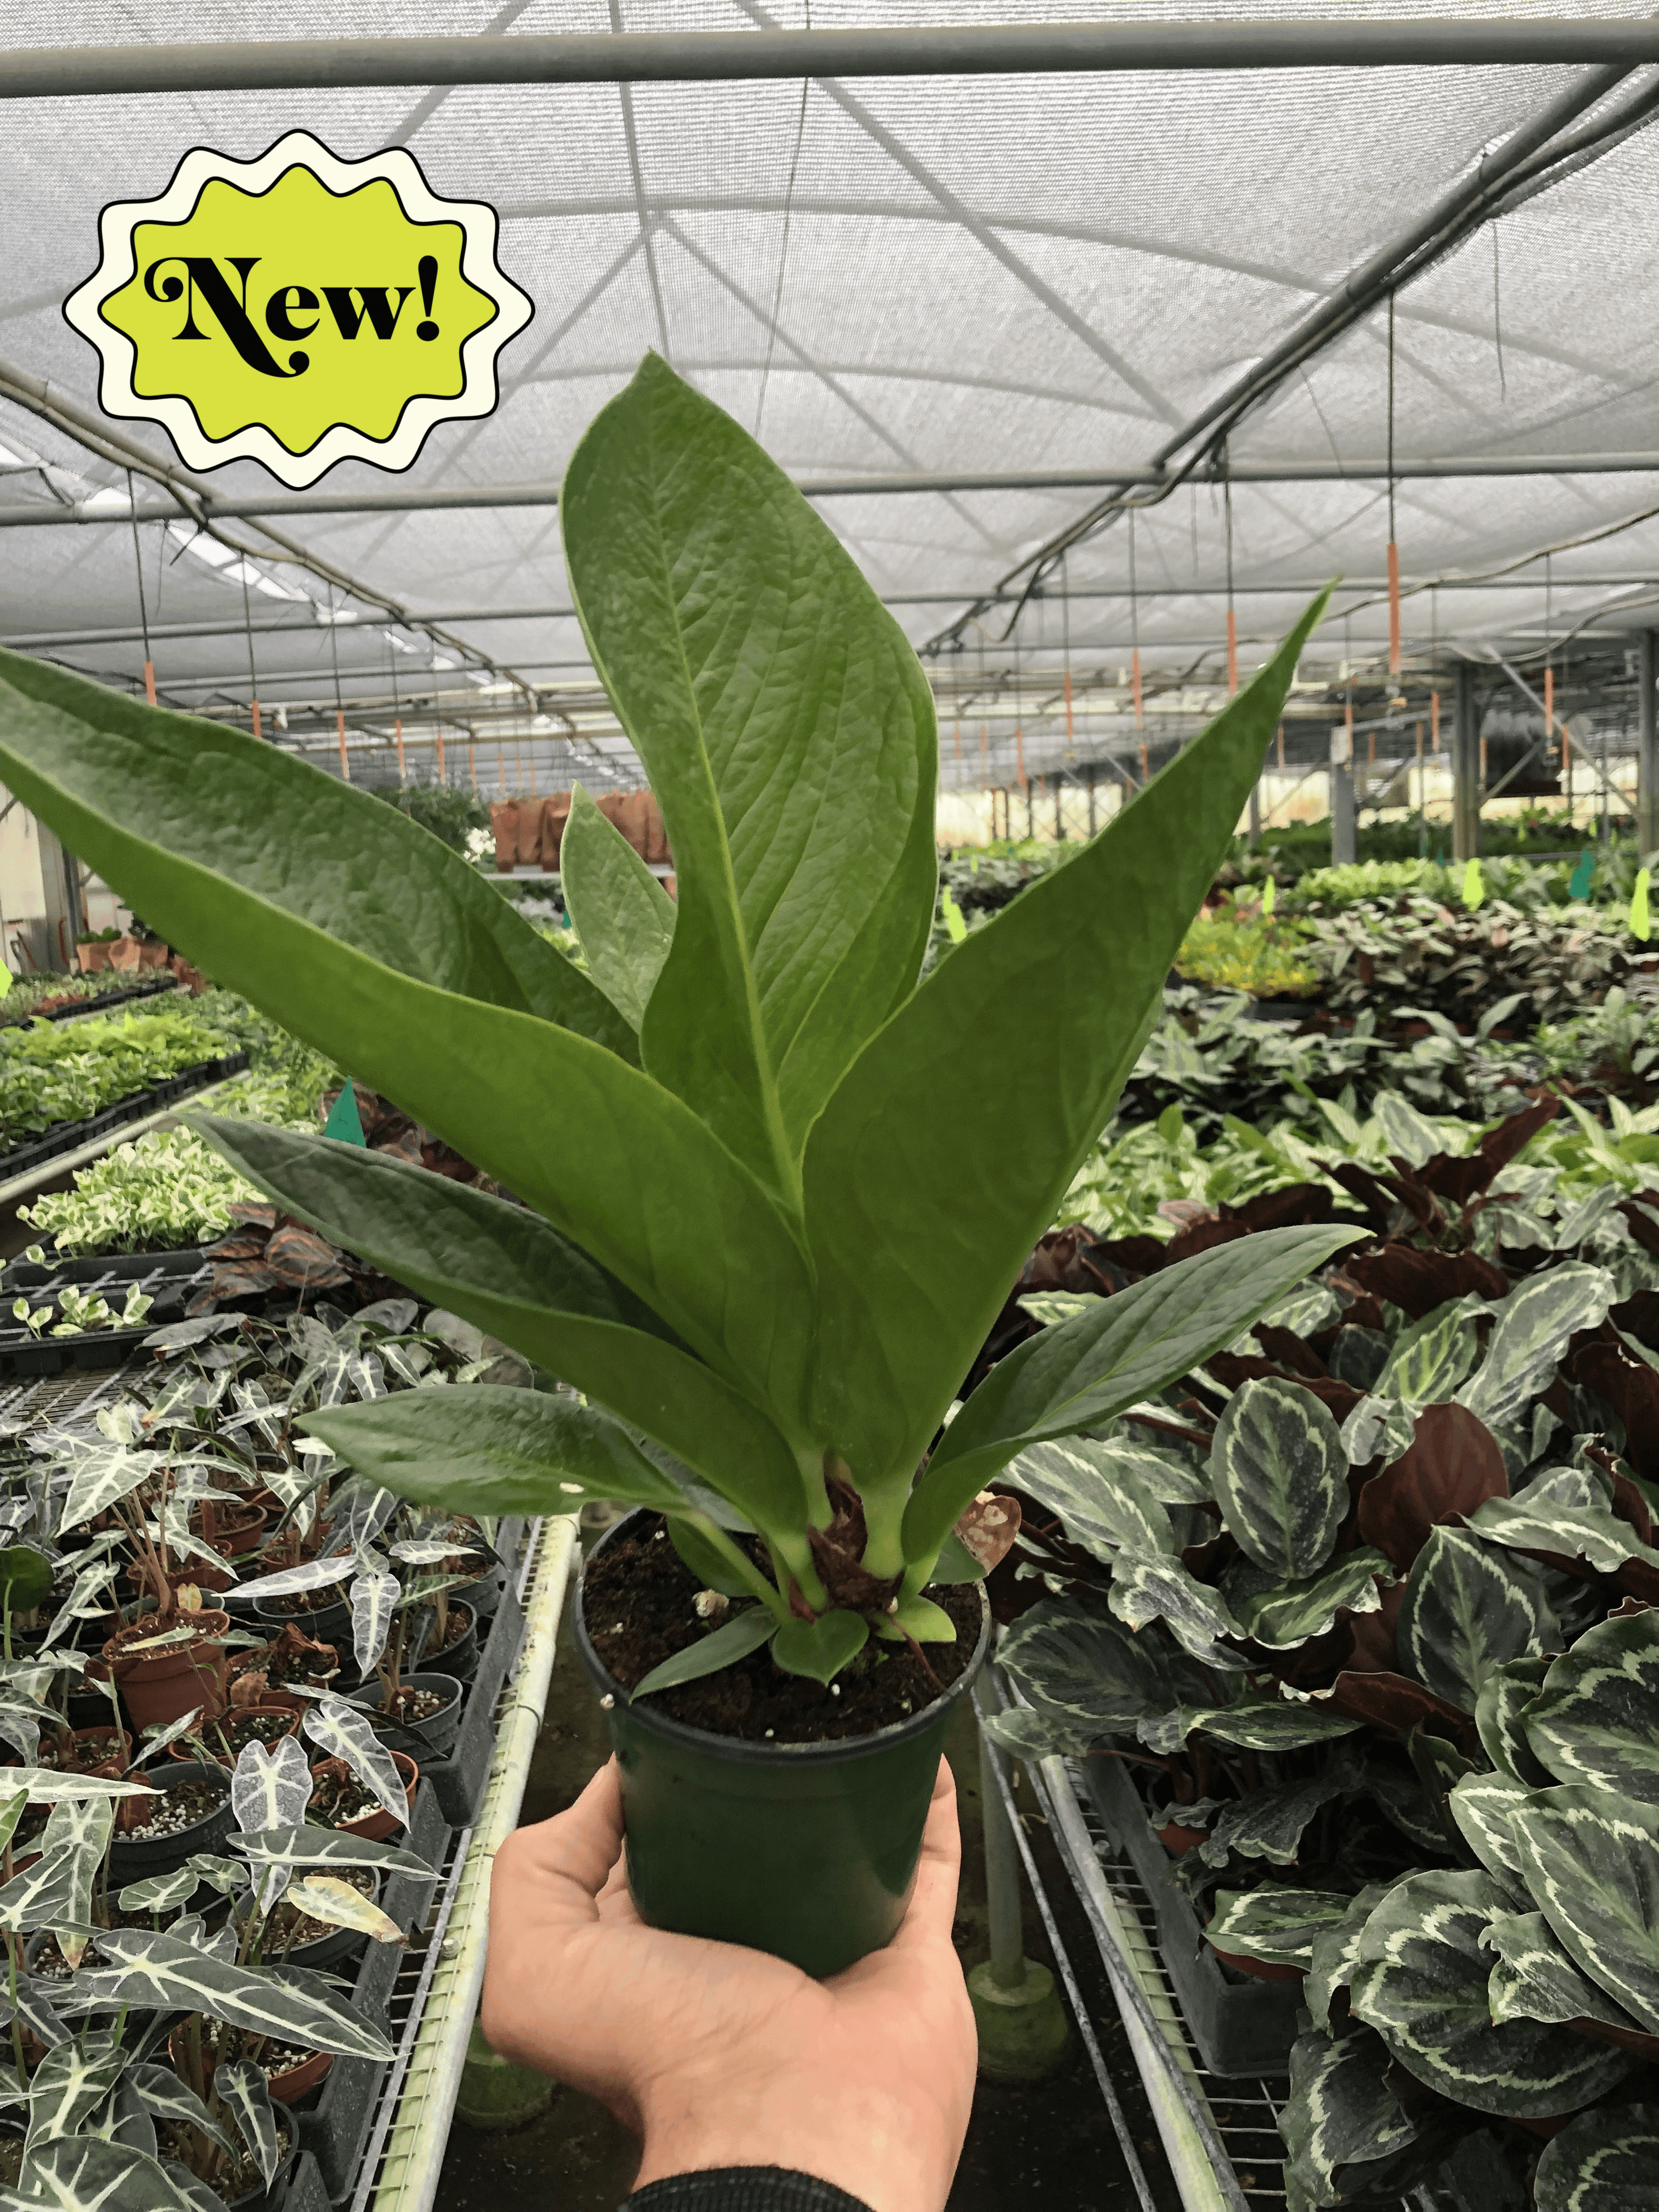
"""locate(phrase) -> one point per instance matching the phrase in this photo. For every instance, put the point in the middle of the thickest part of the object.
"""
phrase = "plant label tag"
(298, 310)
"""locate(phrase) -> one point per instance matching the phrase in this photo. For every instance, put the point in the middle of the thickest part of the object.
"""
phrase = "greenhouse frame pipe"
(741, 57)
(440, 498)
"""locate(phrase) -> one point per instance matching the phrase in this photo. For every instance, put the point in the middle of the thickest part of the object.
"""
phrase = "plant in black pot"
(775, 1186)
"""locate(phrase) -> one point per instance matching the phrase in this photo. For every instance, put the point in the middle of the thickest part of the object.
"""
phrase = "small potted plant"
(742, 1132)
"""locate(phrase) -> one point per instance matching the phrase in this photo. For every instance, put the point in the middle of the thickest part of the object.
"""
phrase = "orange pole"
(256, 731)
(1134, 672)
(149, 681)
(402, 778)
(1232, 653)
(532, 771)
(1483, 760)
(473, 765)
(1281, 744)
(1434, 719)
(958, 738)
(1549, 704)
(1145, 766)
(1393, 608)
(339, 724)
(501, 767)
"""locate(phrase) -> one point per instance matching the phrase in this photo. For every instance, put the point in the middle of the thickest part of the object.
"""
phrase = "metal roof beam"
(724, 57)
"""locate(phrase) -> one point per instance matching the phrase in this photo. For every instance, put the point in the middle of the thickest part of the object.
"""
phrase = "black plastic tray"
(69, 1136)
(460, 1778)
(169, 1277)
(1242, 2025)
(166, 981)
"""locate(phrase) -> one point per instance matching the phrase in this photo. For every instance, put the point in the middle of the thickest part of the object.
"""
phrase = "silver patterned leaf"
(1274, 1924)
(194, 2195)
(1378, 1426)
(78, 2173)
(245, 2093)
(271, 1786)
(1483, 1806)
(373, 1595)
(1593, 1533)
(1280, 1476)
(169, 2098)
(1467, 1609)
(157, 1738)
(105, 1472)
(1535, 1977)
(1592, 1865)
(38, 2000)
(1421, 1983)
(1103, 1503)
(345, 1733)
(1536, 1323)
(1022, 1732)
(338, 1904)
(1596, 1718)
(122, 2118)
(1341, 2111)
(1283, 1618)
(89, 1583)
(1253, 1724)
(44, 1785)
(1268, 1823)
(1147, 1586)
(1500, 1711)
(70, 2083)
(1336, 1952)
(1084, 1670)
(1434, 1355)
(159, 1892)
(328, 1847)
(309, 1575)
(1607, 2160)
(56, 1892)
(159, 1972)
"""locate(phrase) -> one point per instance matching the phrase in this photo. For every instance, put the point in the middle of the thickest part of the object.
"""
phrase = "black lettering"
(175, 288)
(376, 307)
(281, 308)
(208, 280)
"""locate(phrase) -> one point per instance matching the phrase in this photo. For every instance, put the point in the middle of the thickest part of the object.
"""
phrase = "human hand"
(717, 2056)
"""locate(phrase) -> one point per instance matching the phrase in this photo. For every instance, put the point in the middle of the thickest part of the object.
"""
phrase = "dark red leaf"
(1392, 1703)
(1418, 1281)
(1452, 1465)
(1630, 1387)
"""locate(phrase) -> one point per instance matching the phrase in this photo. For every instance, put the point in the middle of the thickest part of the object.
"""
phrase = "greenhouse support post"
(1345, 820)
(1647, 750)
(1466, 768)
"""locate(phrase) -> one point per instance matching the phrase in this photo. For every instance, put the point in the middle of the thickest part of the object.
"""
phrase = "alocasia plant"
(775, 1189)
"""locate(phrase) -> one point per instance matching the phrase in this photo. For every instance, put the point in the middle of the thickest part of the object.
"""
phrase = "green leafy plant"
(737, 1135)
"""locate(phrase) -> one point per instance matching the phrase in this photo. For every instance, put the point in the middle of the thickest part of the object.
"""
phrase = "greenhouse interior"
(642, 1563)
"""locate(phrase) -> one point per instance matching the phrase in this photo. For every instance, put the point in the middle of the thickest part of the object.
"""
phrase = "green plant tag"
(7, 978)
(1268, 889)
(1578, 884)
(1639, 924)
(345, 1123)
(955, 925)
(1475, 889)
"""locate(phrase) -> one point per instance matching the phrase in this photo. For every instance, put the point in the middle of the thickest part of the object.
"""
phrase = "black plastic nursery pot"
(426, 1739)
(808, 1850)
(137, 1860)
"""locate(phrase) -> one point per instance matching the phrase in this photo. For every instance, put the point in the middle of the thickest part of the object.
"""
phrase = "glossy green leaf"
(1273, 1923)
(25, 1577)
(788, 732)
(1605, 2161)
(1084, 1372)
(107, 772)
(1534, 1324)
(1032, 1025)
(491, 1448)
(1591, 1862)
(1280, 1476)
(1596, 1717)
(624, 916)
(1081, 1667)
(518, 1279)
(1282, 1618)
(820, 1648)
(1536, 1978)
(1506, 1698)
(1102, 1501)
(1341, 2111)
(723, 1647)
(1421, 1983)
(1467, 1609)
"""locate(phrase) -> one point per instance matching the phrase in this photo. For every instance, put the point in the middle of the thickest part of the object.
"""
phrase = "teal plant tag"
(1578, 884)
(1475, 889)
(345, 1123)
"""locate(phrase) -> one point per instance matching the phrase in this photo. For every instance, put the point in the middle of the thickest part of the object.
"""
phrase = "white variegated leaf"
(329, 1847)
(289, 1582)
(1147, 1587)
(1536, 1323)
(1274, 1924)
(170, 2099)
(1595, 1719)
(245, 2093)
(345, 1733)
(69, 2083)
(1468, 1609)
(56, 1892)
(270, 1788)
(1591, 1862)
(373, 1598)
(1536, 1979)
(338, 1904)
(1280, 1476)
(78, 2173)
(159, 1972)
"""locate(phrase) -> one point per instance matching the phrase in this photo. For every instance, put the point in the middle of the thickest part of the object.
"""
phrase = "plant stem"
(883, 1525)
(741, 1565)
(16, 2025)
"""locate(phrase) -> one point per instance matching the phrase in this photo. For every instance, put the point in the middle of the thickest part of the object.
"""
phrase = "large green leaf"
(1591, 1862)
(1081, 1667)
(1102, 1498)
(491, 1448)
(1467, 1609)
(1596, 1717)
(1280, 1476)
(921, 1204)
(1605, 2161)
(517, 1279)
(247, 857)
(1276, 1925)
(1082, 1373)
(1421, 1983)
(1536, 1978)
(788, 733)
(1341, 2111)
(624, 916)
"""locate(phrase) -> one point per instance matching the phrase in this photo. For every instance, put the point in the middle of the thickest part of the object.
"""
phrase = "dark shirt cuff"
(742, 2189)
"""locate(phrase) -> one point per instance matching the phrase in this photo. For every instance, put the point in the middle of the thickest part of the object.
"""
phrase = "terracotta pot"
(378, 1825)
(1178, 1840)
(285, 2088)
(163, 1686)
(288, 1710)
(91, 958)
(114, 1768)
(228, 1528)
(1259, 1970)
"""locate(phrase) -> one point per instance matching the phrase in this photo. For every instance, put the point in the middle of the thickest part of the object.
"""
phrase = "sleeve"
(742, 2189)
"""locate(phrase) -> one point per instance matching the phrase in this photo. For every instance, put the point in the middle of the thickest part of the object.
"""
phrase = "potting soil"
(637, 1603)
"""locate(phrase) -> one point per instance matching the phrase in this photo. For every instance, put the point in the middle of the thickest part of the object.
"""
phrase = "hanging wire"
(143, 613)
(397, 709)
(253, 672)
(1393, 546)
(1066, 643)
(783, 249)
(339, 703)
(1232, 617)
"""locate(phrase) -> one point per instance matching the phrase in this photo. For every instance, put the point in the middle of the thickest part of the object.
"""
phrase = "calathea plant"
(774, 1190)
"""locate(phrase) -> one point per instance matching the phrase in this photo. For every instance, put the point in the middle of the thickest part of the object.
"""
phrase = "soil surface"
(228, 1734)
(458, 1625)
(637, 1603)
(408, 1706)
(184, 1804)
(305, 1602)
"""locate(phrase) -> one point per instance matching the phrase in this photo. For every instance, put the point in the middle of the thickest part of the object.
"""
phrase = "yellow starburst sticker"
(298, 310)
